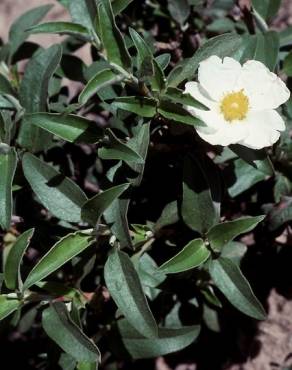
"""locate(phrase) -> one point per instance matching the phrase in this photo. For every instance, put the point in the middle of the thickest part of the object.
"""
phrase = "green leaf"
(266, 8)
(245, 177)
(125, 288)
(286, 36)
(234, 251)
(72, 128)
(177, 113)
(228, 44)
(112, 39)
(144, 107)
(258, 159)
(163, 60)
(168, 216)
(263, 47)
(102, 79)
(287, 67)
(34, 93)
(199, 210)
(83, 12)
(192, 255)
(280, 214)
(93, 209)
(13, 261)
(61, 329)
(144, 51)
(5, 86)
(179, 10)
(167, 341)
(116, 149)
(60, 195)
(223, 233)
(231, 282)
(62, 28)
(7, 306)
(178, 96)
(120, 5)
(63, 251)
(8, 163)
(18, 31)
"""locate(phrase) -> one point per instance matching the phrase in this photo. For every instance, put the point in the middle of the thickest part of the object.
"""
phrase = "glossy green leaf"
(263, 47)
(112, 39)
(144, 107)
(231, 282)
(61, 329)
(60, 195)
(266, 8)
(223, 233)
(8, 163)
(168, 216)
(18, 31)
(144, 51)
(62, 28)
(177, 113)
(103, 78)
(12, 274)
(93, 209)
(7, 306)
(258, 159)
(116, 149)
(192, 255)
(34, 93)
(228, 44)
(72, 128)
(178, 96)
(63, 251)
(199, 209)
(245, 177)
(120, 5)
(125, 288)
(167, 341)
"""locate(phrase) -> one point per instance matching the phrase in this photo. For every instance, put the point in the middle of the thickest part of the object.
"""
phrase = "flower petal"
(198, 93)
(218, 76)
(263, 129)
(264, 88)
(219, 132)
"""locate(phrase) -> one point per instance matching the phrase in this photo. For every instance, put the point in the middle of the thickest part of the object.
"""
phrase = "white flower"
(241, 99)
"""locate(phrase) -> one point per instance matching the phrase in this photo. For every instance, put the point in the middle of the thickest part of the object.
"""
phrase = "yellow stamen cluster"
(234, 106)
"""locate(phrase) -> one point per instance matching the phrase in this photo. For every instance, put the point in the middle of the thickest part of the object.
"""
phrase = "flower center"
(234, 106)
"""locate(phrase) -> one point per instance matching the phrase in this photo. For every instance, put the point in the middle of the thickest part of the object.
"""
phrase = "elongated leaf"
(179, 10)
(7, 306)
(223, 233)
(5, 86)
(125, 288)
(167, 341)
(69, 127)
(118, 150)
(259, 159)
(18, 31)
(266, 8)
(34, 94)
(287, 67)
(245, 177)
(178, 96)
(102, 79)
(112, 39)
(62, 28)
(62, 330)
(228, 44)
(8, 162)
(12, 266)
(177, 113)
(60, 195)
(168, 216)
(93, 209)
(230, 280)
(144, 107)
(143, 50)
(192, 255)
(120, 5)
(62, 252)
(263, 47)
(199, 209)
